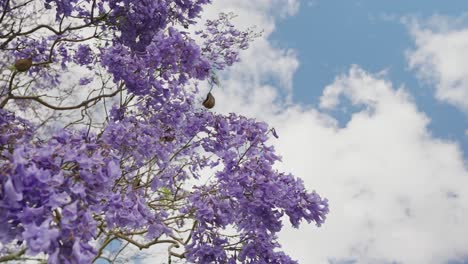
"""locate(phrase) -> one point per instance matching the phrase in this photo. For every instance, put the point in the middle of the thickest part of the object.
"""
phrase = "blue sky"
(331, 35)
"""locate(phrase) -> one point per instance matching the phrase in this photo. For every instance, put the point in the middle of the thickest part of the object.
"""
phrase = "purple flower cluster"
(39, 50)
(222, 41)
(50, 192)
(83, 55)
(13, 130)
(249, 195)
(139, 21)
(62, 7)
(161, 170)
(169, 60)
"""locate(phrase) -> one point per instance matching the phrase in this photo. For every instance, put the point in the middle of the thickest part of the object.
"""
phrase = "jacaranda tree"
(105, 136)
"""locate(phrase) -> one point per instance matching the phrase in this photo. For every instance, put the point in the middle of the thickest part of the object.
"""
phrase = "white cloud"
(264, 8)
(396, 192)
(312, 3)
(391, 184)
(439, 56)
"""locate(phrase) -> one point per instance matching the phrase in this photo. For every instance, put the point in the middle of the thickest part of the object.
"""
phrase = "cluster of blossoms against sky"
(69, 193)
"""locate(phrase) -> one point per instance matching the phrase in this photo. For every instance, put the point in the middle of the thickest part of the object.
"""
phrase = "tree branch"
(13, 256)
(61, 108)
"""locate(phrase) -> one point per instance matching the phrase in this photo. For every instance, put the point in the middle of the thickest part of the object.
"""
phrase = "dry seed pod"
(209, 101)
(23, 65)
(167, 138)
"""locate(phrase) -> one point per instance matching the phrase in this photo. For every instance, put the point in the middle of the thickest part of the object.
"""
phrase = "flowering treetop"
(136, 158)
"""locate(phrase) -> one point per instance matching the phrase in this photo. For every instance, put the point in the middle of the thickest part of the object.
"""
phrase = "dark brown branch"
(49, 60)
(5, 8)
(10, 87)
(93, 5)
(61, 108)
(56, 32)
(108, 240)
(146, 245)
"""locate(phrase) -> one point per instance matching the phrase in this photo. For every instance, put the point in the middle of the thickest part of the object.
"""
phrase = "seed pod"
(23, 65)
(209, 101)
(167, 138)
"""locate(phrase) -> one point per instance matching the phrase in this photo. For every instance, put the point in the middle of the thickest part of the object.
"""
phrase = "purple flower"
(11, 193)
(39, 238)
(85, 80)
(82, 252)
(83, 55)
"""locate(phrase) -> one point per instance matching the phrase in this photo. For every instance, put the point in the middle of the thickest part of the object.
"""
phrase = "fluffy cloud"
(439, 56)
(396, 192)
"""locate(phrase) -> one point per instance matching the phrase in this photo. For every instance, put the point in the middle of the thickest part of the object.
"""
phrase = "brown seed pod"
(167, 138)
(209, 101)
(23, 65)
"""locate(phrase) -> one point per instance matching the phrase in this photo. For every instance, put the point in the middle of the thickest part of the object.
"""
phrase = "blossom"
(39, 238)
(160, 169)
(83, 55)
